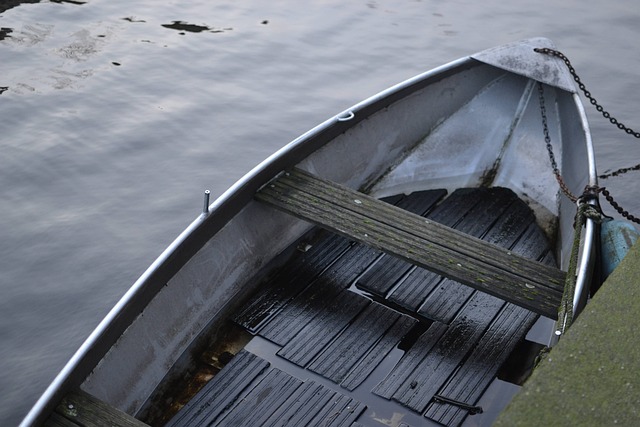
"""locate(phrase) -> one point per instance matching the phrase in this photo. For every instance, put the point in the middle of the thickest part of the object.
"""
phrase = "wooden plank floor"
(354, 327)
(249, 392)
(456, 255)
(80, 409)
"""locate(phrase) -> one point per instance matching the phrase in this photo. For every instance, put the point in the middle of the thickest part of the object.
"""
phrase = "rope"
(584, 211)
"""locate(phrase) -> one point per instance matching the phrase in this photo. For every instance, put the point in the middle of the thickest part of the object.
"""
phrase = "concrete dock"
(592, 376)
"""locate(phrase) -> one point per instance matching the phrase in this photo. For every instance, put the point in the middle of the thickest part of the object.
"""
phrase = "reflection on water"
(5, 32)
(8, 4)
(68, 1)
(183, 26)
(31, 34)
(133, 19)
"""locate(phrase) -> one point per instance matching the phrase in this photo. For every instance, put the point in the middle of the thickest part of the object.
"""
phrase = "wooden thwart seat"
(82, 409)
(420, 241)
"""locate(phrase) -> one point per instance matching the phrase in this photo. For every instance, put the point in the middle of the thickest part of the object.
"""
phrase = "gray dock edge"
(592, 376)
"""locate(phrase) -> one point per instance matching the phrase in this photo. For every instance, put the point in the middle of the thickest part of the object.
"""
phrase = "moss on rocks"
(592, 376)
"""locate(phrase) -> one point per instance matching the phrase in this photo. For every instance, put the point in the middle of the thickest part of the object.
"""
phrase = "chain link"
(616, 206)
(620, 171)
(598, 107)
(547, 140)
(584, 90)
(589, 191)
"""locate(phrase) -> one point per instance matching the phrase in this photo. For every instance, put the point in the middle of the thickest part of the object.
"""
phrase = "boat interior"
(343, 334)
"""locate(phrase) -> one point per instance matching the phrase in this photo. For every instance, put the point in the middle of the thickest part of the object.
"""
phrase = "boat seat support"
(82, 409)
(420, 241)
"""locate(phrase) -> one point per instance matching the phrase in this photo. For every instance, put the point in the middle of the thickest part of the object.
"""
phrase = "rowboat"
(399, 264)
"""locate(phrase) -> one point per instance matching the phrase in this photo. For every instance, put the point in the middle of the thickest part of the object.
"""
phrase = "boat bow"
(521, 58)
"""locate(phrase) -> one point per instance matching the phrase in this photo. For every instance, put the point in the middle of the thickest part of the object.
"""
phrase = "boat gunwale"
(583, 271)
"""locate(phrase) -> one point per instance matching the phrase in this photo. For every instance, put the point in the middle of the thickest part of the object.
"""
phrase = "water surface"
(115, 116)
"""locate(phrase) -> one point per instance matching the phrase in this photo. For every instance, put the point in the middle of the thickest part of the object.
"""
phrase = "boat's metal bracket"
(205, 208)
(472, 409)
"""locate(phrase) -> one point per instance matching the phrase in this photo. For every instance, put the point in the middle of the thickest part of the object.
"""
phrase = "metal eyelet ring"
(346, 116)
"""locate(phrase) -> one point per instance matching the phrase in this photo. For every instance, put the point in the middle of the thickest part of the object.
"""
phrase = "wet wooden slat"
(456, 206)
(383, 275)
(336, 360)
(313, 404)
(500, 226)
(420, 202)
(267, 396)
(440, 362)
(86, 410)
(480, 368)
(427, 244)
(334, 315)
(311, 259)
(410, 360)
(419, 283)
(415, 289)
(365, 366)
(57, 420)
(343, 413)
(304, 307)
(222, 391)
(305, 403)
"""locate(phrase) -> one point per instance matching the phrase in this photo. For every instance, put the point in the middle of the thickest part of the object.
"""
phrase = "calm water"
(116, 115)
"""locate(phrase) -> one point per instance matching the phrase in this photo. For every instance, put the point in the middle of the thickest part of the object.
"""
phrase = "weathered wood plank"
(430, 245)
(327, 324)
(303, 405)
(57, 420)
(479, 369)
(89, 411)
(453, 212)
(311, 260)
(366, 365)
(222, 391)
(482, 221)
(336, 360)
(403, 370)
(436, 233)
(305, 306)
(266, 397)
(439, 363)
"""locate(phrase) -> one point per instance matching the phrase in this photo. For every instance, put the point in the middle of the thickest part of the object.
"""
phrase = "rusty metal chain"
(584, 90)
(616, 206)
(547, 140)
(589, 191)
(620, 171)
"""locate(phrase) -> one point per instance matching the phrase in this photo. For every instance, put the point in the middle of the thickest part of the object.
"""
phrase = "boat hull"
(464, 124)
